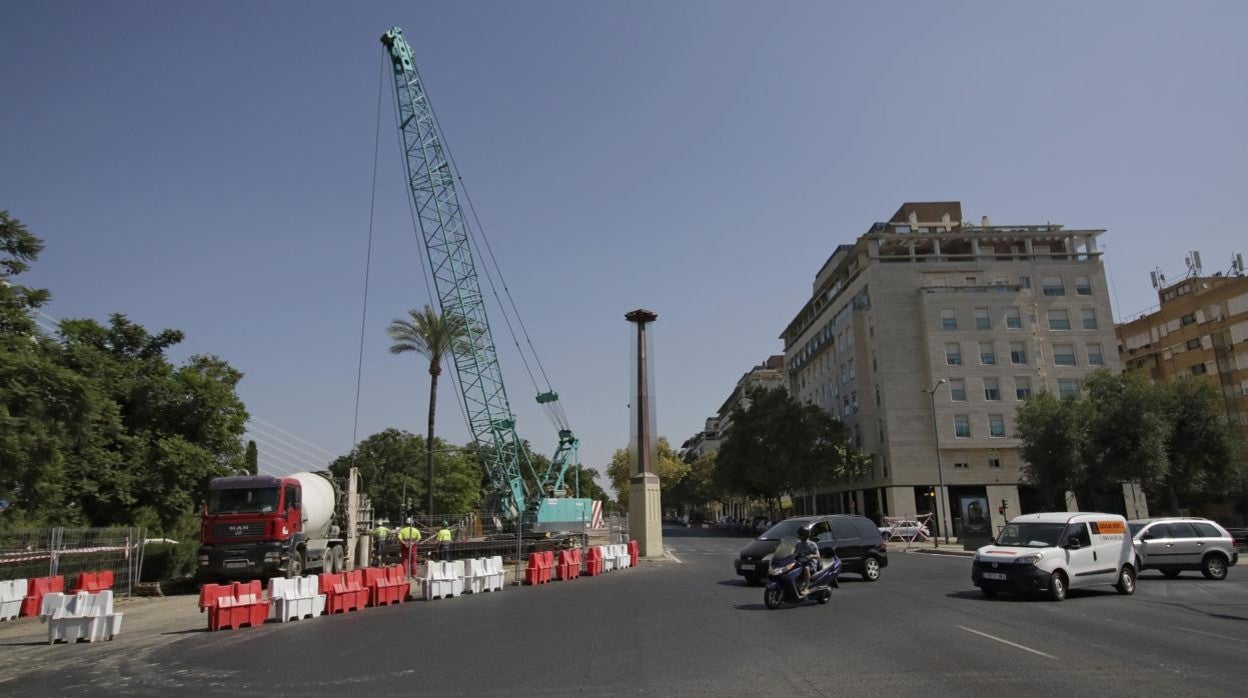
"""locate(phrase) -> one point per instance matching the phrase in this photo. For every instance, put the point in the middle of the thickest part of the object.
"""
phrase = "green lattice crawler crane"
(446, 237)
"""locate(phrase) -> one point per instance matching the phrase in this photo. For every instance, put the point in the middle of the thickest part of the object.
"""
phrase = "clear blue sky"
(207, 167)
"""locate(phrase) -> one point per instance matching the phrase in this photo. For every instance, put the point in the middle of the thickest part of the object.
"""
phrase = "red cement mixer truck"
(266, 526)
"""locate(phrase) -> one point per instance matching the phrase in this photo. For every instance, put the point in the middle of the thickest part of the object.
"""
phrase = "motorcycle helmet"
(803, 533)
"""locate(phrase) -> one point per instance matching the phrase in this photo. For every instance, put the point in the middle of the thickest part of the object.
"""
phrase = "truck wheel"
(294, 566)
(337, 560)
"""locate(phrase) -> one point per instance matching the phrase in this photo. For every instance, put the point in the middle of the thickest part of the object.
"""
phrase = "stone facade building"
(997, 312)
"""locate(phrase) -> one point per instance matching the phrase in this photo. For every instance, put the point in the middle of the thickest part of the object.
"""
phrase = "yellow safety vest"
(444, 536)
(409, 533)
(381, 532)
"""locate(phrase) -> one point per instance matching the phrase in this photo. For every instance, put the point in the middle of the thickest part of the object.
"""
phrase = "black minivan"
(856, 540)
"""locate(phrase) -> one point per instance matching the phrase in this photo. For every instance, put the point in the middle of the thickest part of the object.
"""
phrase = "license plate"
(747, 566)
(995, 575)
(235, 564)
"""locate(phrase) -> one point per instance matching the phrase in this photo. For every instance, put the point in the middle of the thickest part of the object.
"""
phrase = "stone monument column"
(645, 523)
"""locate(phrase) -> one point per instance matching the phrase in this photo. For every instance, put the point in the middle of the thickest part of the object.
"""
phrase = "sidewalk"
(930, 547)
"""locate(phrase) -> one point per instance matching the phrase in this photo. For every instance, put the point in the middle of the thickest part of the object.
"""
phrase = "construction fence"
(49, 552)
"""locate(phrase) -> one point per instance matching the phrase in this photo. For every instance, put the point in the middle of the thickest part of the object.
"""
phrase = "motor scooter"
(785, 575)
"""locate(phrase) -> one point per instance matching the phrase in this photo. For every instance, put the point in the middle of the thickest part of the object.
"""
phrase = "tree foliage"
(667, 465)
(1172, 438)
(392, 468)
(97, 426)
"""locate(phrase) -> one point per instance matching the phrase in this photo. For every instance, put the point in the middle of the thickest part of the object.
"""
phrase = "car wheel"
(871, 569)
(1126, 581)
(988, 593)
(773, 597)
(1214, 567)
(1170, 573)
(1057, 586)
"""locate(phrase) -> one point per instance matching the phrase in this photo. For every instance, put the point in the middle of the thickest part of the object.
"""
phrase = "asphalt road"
(693, 628)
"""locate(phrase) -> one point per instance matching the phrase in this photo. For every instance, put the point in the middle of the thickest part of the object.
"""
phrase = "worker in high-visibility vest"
(380, 534)
(409, 537)
(444, 542)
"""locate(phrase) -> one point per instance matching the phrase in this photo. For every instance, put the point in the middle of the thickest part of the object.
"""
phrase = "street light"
(940, 470)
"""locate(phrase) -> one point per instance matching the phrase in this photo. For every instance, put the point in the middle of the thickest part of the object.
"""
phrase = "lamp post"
(940, 470)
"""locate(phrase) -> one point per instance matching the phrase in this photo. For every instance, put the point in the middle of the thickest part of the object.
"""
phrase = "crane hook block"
(400, 52)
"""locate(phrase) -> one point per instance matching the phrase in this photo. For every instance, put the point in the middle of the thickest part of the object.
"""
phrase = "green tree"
(1052, 434)
(779, 446)
(20, 249)
(667, 465)
(1205, 458)
(433, 335)
(388, 462)
(1126, 431)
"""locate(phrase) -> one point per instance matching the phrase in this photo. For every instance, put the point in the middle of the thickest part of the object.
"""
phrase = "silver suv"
(1180, 543)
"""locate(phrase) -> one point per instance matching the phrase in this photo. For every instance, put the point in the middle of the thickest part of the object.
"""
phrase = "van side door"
(1081, 560)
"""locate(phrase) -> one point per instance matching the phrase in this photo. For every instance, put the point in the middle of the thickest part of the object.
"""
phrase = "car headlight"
(1029, 559)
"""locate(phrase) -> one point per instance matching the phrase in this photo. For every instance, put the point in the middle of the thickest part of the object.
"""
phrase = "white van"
(1055, 552)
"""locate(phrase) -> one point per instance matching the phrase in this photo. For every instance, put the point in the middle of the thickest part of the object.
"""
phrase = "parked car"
(1057, 551)
(1175, 544)
(905, 529)
(855, 539)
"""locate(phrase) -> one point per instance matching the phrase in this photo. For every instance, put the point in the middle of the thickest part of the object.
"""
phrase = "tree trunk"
(1172, 499)
(433, 406)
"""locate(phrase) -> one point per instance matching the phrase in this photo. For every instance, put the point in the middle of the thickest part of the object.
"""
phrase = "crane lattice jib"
(446, 238)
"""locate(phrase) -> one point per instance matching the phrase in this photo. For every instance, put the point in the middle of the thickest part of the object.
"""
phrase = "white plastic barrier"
(620, 553)
(608, 560)
(474, 576)
(11, 594)
(296, 598)
(495, 577)
(442, 580)
(82, 616)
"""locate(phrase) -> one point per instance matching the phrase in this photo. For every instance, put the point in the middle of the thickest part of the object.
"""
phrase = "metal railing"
(49, 552)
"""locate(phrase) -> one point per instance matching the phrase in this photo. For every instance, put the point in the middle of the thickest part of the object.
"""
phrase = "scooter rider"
(807, 554)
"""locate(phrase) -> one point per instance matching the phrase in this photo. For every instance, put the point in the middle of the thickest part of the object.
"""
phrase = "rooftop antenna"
(1193, 263)
(1237, 264)
(1158, 277)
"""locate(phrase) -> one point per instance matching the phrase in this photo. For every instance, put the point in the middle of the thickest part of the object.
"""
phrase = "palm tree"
(432, 335)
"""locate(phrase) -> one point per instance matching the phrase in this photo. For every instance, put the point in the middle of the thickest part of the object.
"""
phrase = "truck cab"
(251, 526)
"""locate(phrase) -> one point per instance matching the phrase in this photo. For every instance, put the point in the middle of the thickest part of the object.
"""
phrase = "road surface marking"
(1201, 632)
(668, 552)
(1006, 642)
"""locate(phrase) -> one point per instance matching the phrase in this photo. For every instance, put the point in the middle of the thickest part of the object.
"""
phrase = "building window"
(996, 426)
(1189, 319)
(992, 389)
(1059, 320)
(1018, 353)
(1082, 286)
(957, 390)
(994, 462)
(961, 426)
(1199, 370)
(948, 319)
(877, 398)
(1089, 318)
(1022, 388)
(1024, 280)
(1013, 319)
(1053, 286)
(1193, 343)
(953, 354)
(853, 401)
(981, 319)
(987, 354)
(1067, 387)
(1095, 358)
(1063, 355)
(961, 466)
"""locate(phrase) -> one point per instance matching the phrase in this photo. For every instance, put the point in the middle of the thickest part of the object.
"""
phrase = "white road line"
(668, 551)
(1201, 632)
(1006, 642)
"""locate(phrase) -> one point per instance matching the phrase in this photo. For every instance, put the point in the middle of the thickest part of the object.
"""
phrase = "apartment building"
(702, 443)
(997, 312)
(1199, 328)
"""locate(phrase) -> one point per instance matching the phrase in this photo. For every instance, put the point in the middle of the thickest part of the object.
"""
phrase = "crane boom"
(446, 237)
